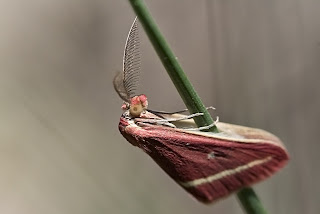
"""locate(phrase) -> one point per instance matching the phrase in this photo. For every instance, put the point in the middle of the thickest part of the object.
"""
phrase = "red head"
(138, 104)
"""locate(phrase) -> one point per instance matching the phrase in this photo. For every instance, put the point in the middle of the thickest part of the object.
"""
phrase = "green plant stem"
(247, 196)
(250, 201)
(170, 62)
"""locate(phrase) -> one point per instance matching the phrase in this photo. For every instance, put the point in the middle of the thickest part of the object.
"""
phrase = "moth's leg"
(203, 127)
(176, 112)
(162, 113)
(148, 121)
(186, 117)
(165, 112)
(166, 121)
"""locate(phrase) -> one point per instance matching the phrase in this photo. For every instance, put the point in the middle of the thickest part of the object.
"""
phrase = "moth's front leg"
(152, 121)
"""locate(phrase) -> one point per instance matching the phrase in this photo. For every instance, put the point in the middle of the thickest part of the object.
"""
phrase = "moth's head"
(138, 104)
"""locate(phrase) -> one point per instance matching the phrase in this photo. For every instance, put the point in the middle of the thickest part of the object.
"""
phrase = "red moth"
(207, 165)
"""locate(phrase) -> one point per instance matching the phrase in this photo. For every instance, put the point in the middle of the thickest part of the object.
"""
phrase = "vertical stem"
(250, 201)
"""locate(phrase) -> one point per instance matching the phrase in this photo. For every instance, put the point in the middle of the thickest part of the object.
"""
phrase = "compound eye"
(136, 110)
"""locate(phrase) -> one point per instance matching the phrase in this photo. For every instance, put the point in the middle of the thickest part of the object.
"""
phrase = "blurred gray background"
(61, 152)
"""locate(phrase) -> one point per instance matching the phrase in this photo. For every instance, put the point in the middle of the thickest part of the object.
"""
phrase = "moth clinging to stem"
(208, 165)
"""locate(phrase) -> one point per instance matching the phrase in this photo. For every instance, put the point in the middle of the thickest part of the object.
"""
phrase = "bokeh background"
(257, 62)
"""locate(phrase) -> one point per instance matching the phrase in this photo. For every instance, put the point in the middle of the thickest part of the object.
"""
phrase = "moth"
(208, 165)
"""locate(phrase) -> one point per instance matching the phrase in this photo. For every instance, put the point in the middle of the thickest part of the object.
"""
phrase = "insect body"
(207, 165)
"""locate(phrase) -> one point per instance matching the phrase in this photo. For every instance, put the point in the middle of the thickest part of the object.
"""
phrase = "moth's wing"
(208, 167)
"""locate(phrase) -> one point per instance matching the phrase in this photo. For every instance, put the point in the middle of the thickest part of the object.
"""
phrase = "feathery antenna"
(125, 82)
